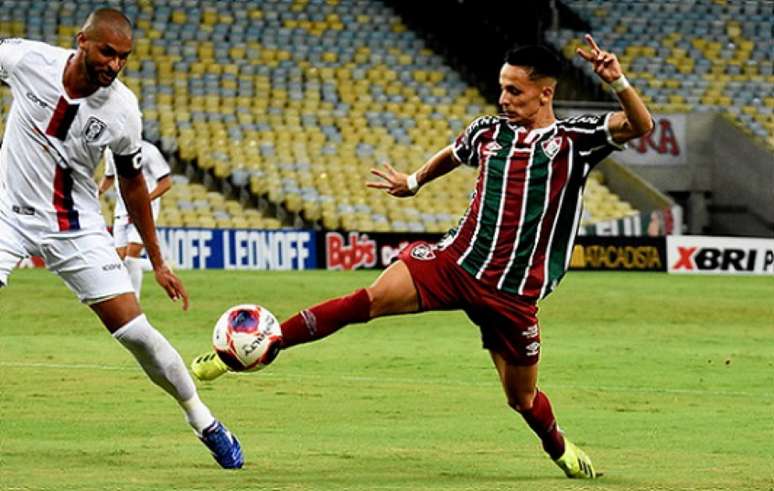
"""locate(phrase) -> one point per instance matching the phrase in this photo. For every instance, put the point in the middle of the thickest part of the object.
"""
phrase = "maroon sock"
(326, 318)
(543, 422)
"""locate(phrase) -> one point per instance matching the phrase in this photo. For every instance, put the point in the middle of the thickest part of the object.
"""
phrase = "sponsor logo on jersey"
(112, 267)
(93, 129)
(36, 100)
(423, 252)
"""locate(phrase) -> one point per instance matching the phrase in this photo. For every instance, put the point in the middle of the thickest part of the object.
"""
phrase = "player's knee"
(521, 401)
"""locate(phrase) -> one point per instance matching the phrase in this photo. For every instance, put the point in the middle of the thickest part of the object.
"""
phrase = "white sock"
(165, 368)
(134, 267)
(146, 264)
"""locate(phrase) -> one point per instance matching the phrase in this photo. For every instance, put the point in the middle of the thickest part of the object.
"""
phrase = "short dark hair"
(542, 61)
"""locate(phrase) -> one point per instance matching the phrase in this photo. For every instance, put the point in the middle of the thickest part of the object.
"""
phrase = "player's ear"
(546, 94)
(80, 39)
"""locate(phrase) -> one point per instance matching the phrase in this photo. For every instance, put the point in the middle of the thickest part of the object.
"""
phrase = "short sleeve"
(110, 164)
(12, 50)
(591, 133)
(464, 146)
(154, 161)
(128, 142)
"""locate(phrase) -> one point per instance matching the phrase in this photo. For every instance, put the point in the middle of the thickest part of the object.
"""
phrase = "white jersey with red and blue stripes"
(53, 143)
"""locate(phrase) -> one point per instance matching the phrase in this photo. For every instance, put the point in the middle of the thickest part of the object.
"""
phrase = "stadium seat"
(709, 56)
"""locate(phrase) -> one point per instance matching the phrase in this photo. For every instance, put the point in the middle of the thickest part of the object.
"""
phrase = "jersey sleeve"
(12, 50)
(154, 161)
(464, 146)
(126, 147)
(110, 164)
(590, 134)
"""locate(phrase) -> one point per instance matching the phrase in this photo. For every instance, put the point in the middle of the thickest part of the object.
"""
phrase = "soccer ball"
(247, 337)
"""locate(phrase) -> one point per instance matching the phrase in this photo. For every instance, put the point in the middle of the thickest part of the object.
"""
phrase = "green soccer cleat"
(208, 367)
(575, 463)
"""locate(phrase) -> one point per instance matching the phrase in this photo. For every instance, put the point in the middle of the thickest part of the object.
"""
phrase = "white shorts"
(125, 233)
(85, 260)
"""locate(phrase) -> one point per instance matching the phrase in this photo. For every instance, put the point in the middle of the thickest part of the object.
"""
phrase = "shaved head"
(104, 45)
(105, 22)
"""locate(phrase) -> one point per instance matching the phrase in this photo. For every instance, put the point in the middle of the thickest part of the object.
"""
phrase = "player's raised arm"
(635, 119)
(137, 200)
(401, 185)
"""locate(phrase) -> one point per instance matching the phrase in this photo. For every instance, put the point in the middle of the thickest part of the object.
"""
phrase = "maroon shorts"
(508, 322)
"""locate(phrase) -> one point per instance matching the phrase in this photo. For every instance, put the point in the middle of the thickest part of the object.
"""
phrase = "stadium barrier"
(653, 224)
(359, 250)
(598, 253)
(719, 255)
(300, 249)
(245, 249)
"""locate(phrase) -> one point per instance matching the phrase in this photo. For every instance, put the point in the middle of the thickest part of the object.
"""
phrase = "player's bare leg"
(124, 319)
(392, 293)
(520, 385)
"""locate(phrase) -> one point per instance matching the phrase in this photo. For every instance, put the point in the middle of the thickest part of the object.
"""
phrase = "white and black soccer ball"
(247, 337)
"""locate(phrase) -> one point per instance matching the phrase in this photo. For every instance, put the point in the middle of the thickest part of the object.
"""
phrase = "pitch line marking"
(417, 382)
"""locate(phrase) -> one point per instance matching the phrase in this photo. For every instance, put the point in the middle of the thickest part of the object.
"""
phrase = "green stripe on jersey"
(568, 214)
(534, 202)
(481, 242)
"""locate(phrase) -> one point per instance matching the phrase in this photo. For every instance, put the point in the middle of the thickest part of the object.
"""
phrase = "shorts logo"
(423, 252)
(93, 129)
(531, 332)
(533, 349)
(111, 267)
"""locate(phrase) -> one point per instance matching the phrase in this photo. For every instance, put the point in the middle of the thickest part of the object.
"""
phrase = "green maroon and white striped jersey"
(518, 231)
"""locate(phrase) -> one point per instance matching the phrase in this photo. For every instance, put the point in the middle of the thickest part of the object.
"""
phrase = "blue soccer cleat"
(223, 445)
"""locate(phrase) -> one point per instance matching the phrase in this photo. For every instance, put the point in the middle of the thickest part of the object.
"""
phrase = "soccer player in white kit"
(126, 237)
(67, 108)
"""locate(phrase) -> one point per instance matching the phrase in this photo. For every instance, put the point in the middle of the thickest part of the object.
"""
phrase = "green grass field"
(666, 381)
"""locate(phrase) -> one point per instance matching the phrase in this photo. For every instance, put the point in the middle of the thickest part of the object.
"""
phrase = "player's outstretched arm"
(137, 201)
(635, 120)
(401, 185)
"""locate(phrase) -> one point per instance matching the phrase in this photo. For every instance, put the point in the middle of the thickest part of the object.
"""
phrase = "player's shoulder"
(581, 121)
(38, 51)
(485, 121)
(122, 95)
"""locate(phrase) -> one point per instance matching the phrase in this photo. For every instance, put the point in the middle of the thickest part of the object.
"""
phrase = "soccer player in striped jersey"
(512, 246)
(67, 109)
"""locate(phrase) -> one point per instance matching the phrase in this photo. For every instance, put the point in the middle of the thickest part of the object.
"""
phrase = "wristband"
(412, 183)
(620, 84)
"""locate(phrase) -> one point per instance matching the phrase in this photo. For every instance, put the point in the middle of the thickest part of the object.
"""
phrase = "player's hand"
(171, 284)
(394, 182)
(605, 64)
